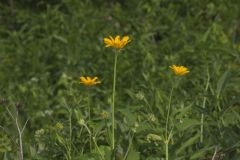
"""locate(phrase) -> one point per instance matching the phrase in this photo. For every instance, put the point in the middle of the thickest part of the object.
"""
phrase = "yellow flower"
(117, 42)
(179, 70)
(87, 81)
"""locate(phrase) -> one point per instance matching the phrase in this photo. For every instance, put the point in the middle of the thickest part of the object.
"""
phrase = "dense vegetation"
(45, 46)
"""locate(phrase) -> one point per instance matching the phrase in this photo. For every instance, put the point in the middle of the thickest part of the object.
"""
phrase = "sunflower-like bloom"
(87, 81)
(179, 70)
(116, 42)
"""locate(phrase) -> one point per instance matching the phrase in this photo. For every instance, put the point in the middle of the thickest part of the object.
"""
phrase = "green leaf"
(200, 153)
(206, 35)
(231, 116)
(222, 83)
(60, 38)
(188, 143)
(187, 123)
(133, 155)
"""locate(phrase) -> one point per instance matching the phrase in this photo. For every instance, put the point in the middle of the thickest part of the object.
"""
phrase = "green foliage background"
(46, 46)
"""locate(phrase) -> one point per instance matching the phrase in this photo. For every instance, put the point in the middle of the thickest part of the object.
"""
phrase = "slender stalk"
(215, 153)
(90, 135)
(89, 116)
(113, 100)
(204, 106)
(167, 142)
(24, 126)
(89, 131)
(168, 113)
(9, 112)
(166, 150)
(20, 132)
(94, 141)
(20, 138)
(88, 103)
(167, 121)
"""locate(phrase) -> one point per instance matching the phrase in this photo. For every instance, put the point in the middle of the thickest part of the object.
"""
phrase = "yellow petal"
(108, 45)
(88, 78)
(95, 78)
(125, 39)
(83, 79)
(111, 38)
(97, 82)
(117, 39)
(107, 40)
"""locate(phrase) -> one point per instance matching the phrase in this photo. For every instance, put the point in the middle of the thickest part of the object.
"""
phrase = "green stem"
(167, 121)
(90, 135)
(20, 139)
(20, 132)
(215, 153)
(99, 151)
(113, 100)
(168, 113)
(89, 108)
(166, 146)
(89, 118)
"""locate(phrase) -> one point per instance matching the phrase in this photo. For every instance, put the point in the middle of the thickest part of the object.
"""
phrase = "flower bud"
(105, 115)
(59, 125)
(81, 122)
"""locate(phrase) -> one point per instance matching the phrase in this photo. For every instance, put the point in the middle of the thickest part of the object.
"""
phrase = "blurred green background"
(45, 46)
